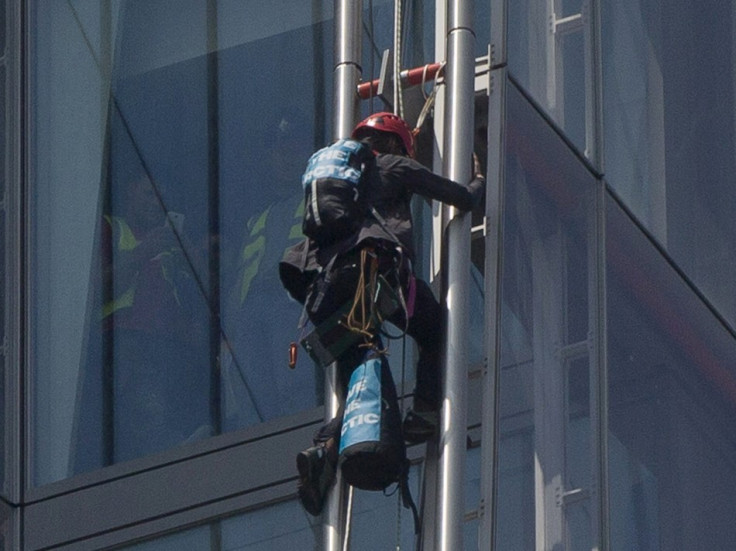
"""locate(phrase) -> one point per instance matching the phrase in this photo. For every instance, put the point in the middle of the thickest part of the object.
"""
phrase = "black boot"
(316, 475)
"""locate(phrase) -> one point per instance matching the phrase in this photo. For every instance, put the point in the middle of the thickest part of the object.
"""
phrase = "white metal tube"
(458, 149)
(347, 74)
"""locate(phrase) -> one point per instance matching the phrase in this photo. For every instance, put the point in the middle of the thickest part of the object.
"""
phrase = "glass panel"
(287, 526)
(571, 114)
(3, 137)
(282, 526)
(672, 404)
(548, 60)
(165, 190)
(670, 130)
(515, 517)
(3, 341)
(482, 27)
(3, 27)
(545, 427)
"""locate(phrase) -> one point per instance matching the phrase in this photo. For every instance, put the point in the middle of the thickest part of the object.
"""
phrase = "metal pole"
(348, 14)
(493, 270)
(458, 148)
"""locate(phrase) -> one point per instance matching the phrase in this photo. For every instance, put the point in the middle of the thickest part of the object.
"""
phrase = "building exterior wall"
(146, 399)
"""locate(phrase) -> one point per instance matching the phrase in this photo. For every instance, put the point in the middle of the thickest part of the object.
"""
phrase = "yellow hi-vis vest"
(125, 240)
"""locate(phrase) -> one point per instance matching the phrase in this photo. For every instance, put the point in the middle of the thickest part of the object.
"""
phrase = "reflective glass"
(546, 483)
(669, 98)
(672, 403)
(3, 338)
(546, 54)
(287, 526)
(168, 146)
(282, 526)
(3, 138)
(482, 27)
(3, 26)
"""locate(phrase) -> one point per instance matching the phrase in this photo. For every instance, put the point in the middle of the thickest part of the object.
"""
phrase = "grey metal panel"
(172, 489)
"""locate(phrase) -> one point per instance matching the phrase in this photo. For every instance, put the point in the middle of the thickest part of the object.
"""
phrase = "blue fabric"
(362, 417)
(333, 161)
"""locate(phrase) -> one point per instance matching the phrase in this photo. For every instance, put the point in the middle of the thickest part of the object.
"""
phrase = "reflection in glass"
(3, 132)
(3, 336)
(669, 98)
(166, 188)
(545, 451)
(547, 56)
(672, 404)
(151, 329)
(282, 526)
(287, 526)
(3, 28)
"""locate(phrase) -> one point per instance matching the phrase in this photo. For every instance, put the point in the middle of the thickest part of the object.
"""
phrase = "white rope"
(398, 98)
(429, 99)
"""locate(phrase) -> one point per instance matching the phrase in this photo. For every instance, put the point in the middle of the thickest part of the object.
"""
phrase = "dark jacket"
(392, 182)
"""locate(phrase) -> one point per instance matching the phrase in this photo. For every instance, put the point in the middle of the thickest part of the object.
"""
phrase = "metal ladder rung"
(568, 25)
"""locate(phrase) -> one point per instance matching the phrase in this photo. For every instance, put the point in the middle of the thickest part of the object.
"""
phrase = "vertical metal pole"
(348, 14)
(348, 71)
(458, 140)
(493, 271)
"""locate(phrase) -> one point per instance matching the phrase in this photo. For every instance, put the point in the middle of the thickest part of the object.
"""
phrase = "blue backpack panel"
(333, 197)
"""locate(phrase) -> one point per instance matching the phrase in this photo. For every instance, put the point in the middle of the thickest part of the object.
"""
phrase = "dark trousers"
(424, 327)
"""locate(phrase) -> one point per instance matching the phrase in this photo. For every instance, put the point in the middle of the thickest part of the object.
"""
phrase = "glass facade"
(550, 54)
(672, 403)
(547, 481)
(170, 214)
(670, 127)
(151, 157)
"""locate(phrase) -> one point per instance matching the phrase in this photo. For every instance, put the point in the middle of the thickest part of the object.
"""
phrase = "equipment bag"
(372, 449)
(333, 197)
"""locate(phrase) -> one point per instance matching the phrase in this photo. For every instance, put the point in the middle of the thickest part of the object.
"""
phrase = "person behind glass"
(397, 177)
(155, 336)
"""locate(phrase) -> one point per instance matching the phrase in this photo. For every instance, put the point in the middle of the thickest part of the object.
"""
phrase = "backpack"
(333, 191)
(372, 453)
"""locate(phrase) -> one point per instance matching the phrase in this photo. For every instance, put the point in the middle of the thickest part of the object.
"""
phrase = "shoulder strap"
(382, 221)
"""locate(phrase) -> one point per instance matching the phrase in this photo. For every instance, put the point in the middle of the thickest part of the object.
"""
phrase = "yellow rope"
(364, 322)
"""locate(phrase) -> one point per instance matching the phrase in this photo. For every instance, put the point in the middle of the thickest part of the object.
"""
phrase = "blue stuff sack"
(372, 449)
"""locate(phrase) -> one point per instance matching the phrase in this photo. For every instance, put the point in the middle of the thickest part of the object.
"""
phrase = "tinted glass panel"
(283, 526)
(169, 141)
(3, 26)
(547, 56)
(168, 145)
(670, 130)
(672, 404)
(3, 337)
(378, 522)
(546, 484)
(3, 138)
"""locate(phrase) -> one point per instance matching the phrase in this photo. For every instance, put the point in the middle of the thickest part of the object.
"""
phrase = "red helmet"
(387, 122)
